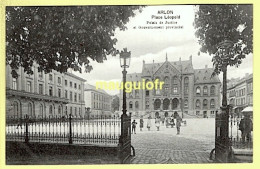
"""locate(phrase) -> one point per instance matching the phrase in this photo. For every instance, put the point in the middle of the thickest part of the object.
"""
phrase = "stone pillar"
(170, 104)
(161, 106)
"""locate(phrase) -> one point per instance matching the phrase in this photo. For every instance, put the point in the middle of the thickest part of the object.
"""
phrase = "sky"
(153, 44)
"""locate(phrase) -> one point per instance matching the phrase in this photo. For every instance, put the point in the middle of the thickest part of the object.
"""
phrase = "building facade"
(187, 91)
(240, 93)
(44, 95)
(98, 101)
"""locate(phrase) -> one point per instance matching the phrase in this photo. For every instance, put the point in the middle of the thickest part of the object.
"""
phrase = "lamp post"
(222, 147)
(124, 63)
(125, 137)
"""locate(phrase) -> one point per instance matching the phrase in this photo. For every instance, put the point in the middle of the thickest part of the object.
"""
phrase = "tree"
(58, 38)
(115, 103)
(214, 23)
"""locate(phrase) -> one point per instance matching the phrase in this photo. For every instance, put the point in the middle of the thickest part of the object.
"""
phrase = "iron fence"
(88, 130)
(239, 139)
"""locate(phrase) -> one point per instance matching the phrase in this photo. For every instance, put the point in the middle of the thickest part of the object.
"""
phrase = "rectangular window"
(75, 85)
(79, 87)
(147, 104)
(50, 90)
(14, 86)
(50, 77)
(40, 88)
(70, 84)
(197, 113)
(75, 97)
(59, 80)
(147, 93)
(59, 92)
(66, 94)
(70, 96)
(40, 75)
(79, 97)
(66, 83)
(175, 90)
(29, 86)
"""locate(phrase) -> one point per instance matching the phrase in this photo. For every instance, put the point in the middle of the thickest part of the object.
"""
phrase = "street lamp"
(125, 137)
(222, 147)
(124, 63)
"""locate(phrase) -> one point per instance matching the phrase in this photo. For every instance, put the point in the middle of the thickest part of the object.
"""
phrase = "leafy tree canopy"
(58, 38)
(215, 23)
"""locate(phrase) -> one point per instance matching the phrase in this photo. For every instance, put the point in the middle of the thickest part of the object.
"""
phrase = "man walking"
(134, 127)
(178, 124)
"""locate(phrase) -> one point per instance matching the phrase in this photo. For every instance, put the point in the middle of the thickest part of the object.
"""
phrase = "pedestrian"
(141, 123)
(246, 126)
(157, 123)
(178, 124)
(134, 127)
(149, 123)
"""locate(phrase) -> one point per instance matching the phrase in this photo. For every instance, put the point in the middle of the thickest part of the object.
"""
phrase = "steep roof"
(205, 76)
(150, 68)
(133, 77)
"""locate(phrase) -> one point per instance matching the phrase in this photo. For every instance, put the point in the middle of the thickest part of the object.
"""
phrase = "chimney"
(143, 62)
(190, 57)
(206, 66)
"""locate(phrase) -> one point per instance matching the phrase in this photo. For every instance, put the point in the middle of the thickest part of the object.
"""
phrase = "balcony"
(23, 94)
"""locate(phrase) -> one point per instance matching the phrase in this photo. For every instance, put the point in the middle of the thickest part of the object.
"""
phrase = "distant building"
(240, 93)
(188, 91)
(44, 95)
(99, 101)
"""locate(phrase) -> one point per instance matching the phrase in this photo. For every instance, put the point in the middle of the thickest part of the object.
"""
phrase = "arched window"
(41, 111)
(136, 93)
(166, 85)
(212, 90)
(76, 113)
(205, 103)
(197, 103)
(157, 89)
(130, 105)
(186, 85)
(51, 110)
(212, 103)
(157, 104)
(186, 103)
(198, 91)
(59, 110)
(205, 90)
(136, 105)
(16, 110)
(175, 85)
(30, 109)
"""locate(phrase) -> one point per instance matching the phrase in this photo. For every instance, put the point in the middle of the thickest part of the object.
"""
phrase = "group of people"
(158, 121)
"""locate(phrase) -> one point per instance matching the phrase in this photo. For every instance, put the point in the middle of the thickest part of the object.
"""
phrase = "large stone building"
(97, 100)
(187, 91)
(240, 93)
(44, 95)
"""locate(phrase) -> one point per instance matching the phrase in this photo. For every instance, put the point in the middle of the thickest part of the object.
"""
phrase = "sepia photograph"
(129, 84)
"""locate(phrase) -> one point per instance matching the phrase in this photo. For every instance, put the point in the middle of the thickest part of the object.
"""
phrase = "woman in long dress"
(149, 123)
(141, 123)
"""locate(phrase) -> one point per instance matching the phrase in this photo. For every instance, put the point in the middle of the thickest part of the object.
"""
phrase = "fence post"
(26, 129)
(70, 130)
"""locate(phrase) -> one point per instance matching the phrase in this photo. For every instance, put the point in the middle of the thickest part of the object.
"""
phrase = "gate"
(125, 138)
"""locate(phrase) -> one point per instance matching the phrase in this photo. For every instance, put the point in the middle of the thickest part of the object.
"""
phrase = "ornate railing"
(89, 130)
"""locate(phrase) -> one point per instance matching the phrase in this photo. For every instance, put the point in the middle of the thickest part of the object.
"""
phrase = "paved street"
(193, 145)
